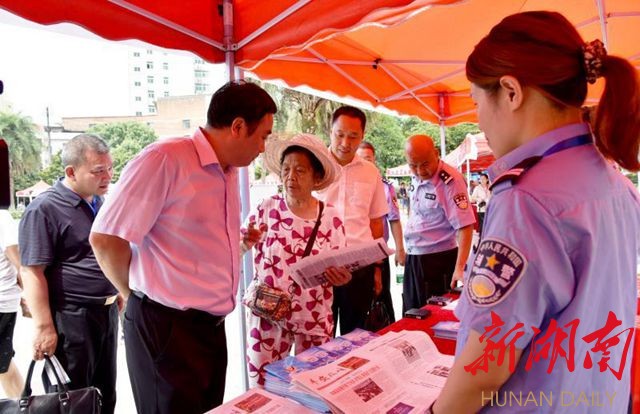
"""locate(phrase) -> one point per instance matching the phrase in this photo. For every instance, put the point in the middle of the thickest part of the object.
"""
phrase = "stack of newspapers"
(446, 329)
(399, 372)
(278, 379)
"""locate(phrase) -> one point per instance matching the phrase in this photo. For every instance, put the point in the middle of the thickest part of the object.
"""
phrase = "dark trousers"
(427, 275)
(177, 359)
(480, 223)
(87, 347)
(352, 301)
(385, 296)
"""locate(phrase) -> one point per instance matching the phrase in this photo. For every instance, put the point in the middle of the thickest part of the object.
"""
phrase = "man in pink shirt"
(168, 238)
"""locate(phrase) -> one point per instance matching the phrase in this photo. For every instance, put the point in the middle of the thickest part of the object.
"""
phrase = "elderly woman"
(557, 262)
(280, 229)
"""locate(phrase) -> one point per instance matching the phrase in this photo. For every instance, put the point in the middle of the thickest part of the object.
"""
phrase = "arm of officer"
(464, 236)
(114, 256)
(377, 231)
(36, 291)
(396, 232)
(465, 392)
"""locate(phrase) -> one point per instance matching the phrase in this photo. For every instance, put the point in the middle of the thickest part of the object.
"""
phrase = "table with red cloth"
(448, 346)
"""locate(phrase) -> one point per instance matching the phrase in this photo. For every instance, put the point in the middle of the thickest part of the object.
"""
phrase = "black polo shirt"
(54, 231)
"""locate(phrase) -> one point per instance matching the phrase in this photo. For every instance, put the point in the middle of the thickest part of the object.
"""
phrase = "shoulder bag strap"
(312, 237)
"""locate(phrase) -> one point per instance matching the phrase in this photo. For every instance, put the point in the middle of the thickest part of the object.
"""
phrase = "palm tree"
(24, 149)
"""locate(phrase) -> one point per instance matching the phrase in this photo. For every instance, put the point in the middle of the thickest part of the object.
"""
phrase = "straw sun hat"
(276, 147)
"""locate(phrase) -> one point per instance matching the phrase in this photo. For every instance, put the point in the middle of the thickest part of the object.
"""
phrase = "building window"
(152, 109)
(137, 83)
(149, 65)
(151, 94)
(136, 69)
(138, 98)
(149, 79)
(165, 66)
(166, 94)
(149, 52)
(186, 123)
(138, 113)
(165, 80)
(136, 54)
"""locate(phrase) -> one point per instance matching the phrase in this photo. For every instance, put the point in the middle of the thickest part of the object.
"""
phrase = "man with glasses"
(73, 304)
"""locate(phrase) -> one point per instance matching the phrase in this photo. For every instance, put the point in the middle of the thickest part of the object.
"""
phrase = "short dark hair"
(352, 112)
(318, 169)
(367, 145)
(485, 175)
(239, 99)
(75, 149)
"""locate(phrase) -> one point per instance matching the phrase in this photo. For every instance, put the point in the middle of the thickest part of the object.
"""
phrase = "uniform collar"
(535, 147)
(355, 161)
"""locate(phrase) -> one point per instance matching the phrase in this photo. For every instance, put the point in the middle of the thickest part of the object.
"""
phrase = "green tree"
(126, 140)
(24, 149)
(54, 171)
(385, 133)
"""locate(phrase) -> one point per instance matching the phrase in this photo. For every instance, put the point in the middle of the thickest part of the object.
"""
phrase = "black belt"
(192, 314)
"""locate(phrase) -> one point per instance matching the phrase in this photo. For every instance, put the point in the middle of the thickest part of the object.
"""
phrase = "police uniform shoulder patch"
(461, 201)
(445, 176)
(497, 269)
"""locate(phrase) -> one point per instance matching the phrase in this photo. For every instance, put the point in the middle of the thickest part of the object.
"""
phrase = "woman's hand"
(252, 235)
(338, 276)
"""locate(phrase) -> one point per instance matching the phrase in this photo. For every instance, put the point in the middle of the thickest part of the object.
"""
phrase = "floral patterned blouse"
(284, 244)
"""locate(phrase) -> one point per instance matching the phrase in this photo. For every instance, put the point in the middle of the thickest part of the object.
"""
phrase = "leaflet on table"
(278, 378)
(257, 401)
(452, 305)
(309, 272)
(399, 372)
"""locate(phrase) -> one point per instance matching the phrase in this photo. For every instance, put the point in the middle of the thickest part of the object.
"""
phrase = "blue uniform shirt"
(439, 207)
(392, 202)
(560, 242)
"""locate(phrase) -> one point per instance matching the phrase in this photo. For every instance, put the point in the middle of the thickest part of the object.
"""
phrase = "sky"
(64, 68)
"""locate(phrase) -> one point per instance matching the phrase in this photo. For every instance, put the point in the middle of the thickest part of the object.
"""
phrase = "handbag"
(377, 316)
(83, 401)
(270, 303)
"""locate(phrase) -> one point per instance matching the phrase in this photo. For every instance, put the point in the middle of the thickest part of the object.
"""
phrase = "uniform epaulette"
(445, 177)
(516, 172)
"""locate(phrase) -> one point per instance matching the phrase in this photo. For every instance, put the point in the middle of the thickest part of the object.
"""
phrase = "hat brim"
(276, 147)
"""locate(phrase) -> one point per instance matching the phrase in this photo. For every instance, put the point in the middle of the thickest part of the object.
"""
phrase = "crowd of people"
(165, 247)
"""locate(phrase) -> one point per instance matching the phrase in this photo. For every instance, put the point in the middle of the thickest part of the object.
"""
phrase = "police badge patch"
(461, 201)
(496, 269)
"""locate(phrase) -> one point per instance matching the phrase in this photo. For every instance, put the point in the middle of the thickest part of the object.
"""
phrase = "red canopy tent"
(472, 155)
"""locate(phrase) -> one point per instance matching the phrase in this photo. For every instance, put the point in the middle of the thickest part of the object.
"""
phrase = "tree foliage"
(24, 149)
(126, 140)
(299, 112)
(54, 171)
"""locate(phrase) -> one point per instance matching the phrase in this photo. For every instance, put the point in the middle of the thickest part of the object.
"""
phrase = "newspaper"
(260, 402)
(397, 373)
(309, 272)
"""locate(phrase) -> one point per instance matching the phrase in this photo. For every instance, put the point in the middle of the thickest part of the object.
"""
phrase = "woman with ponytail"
(551, 288)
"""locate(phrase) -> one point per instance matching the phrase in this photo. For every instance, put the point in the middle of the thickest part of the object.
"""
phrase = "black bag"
(377, 316)
(83, 401)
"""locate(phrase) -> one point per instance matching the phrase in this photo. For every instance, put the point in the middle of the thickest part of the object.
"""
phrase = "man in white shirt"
(10, 377)
(359, 196)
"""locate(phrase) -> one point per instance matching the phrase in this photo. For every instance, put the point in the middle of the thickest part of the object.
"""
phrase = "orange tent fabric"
(416, 66)
(260, 27)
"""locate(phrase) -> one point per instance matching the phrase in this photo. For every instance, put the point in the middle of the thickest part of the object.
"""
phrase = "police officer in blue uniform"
(440, 227)
(560, 241)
